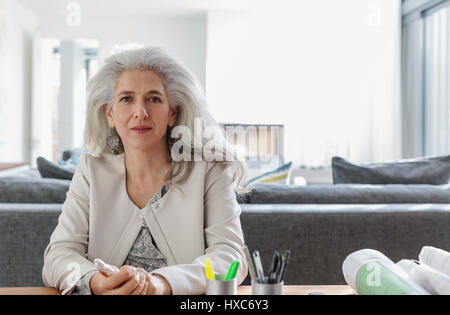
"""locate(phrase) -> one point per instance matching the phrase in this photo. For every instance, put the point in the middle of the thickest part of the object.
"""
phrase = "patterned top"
(143, 254)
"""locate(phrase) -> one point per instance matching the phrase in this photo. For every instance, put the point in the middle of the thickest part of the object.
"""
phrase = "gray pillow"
(349, 194)
(48, 169)
(432, 171)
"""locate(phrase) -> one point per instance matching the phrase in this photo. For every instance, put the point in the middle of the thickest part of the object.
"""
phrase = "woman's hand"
(158, 285)
(128, 280)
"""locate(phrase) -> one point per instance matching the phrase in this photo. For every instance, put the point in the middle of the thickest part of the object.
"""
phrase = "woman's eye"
(155, 100)
(125, 99)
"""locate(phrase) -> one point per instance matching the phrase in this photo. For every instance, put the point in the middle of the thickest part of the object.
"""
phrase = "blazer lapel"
(119, 219)
(125, 242)
(178, 232)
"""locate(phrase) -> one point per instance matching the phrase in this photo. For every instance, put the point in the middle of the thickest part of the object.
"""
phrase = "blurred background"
(366, 80)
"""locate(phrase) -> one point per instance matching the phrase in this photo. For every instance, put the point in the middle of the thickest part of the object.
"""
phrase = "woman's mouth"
(141, 129)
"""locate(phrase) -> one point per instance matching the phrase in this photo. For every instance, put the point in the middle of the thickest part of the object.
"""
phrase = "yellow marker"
(209, 270)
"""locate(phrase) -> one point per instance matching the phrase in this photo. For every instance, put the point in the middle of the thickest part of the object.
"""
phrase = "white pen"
(251, 265)
(258, 266)
(104, 267)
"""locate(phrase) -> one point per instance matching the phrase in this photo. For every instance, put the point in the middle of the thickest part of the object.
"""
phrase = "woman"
(133, 202)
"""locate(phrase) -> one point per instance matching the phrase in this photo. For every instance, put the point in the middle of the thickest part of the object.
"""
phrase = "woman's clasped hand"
(129, 281)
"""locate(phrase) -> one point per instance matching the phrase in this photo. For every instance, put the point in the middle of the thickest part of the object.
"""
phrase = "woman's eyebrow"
(154, 92)
(126, 92)
(149, 92)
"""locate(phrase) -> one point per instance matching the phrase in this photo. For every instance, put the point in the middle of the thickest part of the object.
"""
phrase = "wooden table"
(242, 290)
(306, 289)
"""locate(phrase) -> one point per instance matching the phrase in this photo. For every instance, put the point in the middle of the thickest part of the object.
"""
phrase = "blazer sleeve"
(224, 240)
(65, 259)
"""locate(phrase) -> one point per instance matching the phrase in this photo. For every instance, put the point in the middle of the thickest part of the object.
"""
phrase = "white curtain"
(17, 25)
(328, 70)
(437, 82)
(412, 88)
(4, 70)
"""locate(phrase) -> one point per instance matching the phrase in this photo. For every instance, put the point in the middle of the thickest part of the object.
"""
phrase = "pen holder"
(220, 286)
(267, 288)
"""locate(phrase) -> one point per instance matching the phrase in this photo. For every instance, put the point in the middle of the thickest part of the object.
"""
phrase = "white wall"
(183, 37)
(17, 26)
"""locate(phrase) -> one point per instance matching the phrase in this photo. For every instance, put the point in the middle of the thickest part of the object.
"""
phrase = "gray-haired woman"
(136, 201)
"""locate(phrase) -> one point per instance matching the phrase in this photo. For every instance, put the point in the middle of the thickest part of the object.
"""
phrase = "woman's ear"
(108, 113)
(173, 115)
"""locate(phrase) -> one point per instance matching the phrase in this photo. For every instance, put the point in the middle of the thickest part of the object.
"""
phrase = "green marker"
(233, 270)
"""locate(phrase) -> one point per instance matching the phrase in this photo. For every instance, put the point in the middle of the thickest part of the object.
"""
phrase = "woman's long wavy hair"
(184, 94)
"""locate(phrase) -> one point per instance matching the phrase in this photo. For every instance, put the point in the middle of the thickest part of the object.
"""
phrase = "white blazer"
(99, 220)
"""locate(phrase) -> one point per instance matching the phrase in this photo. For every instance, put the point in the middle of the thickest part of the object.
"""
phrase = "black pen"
(274, 266)
(280, 269)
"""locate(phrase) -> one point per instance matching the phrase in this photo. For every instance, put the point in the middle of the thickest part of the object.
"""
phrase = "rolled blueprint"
(435, 258)
(369, 272)
(431, 280)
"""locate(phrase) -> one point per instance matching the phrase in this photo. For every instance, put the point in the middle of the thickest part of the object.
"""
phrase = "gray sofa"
(321, 225)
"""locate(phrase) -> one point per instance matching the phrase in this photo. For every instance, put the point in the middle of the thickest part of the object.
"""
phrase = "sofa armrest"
(25, 231)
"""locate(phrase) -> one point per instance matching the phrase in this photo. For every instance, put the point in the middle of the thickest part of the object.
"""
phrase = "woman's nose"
(141, 111)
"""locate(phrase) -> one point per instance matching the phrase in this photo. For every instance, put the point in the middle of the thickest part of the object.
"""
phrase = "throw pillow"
(48, 169)
(431, 170)
(71, 157)
(277, 176)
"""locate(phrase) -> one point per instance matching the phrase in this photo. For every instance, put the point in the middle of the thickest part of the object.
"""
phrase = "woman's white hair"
(184, 94)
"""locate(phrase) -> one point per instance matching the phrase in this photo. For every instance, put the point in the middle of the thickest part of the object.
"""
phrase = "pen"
(274, 266)
(233, 270)
(105, 268)
(279, 269)
(258, 266)
(251, 265)
(286, 255)
(209, 270)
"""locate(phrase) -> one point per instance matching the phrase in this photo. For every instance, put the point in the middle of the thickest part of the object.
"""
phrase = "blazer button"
(156, 206)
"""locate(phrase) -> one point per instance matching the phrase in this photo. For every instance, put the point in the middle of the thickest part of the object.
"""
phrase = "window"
(426, 79)
(64, 69)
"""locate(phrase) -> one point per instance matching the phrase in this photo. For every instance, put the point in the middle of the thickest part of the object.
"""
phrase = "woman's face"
(140, 100)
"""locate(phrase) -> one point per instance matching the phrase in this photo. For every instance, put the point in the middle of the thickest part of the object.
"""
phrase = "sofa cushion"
(278, 176)
(349, 194)
(433, 171)
(17, 189)
(22, 171)
(48, 169)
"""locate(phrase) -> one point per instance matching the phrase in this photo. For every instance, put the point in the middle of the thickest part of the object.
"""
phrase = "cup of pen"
(267, 288)
(273, 284)
(221, 284)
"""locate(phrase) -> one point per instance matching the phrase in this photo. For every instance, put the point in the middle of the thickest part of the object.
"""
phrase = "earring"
(113, 142)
